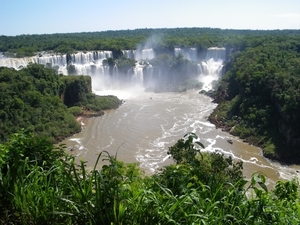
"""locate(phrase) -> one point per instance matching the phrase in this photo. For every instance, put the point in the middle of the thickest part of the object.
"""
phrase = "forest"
(40, 101)
(258, 100)
(259, 97)
(163, 39)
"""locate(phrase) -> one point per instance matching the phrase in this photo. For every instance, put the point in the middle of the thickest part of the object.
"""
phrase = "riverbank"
(81, 119)
(272, 148)
(88, 114)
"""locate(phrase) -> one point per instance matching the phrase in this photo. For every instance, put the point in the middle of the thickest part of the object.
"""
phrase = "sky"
(66, 16)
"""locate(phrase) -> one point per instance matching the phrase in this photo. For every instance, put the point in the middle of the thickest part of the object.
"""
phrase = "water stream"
(142, 129)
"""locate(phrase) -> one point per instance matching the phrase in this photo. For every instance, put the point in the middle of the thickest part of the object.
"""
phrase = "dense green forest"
(163, 39)
(259, 97)
(39, 100)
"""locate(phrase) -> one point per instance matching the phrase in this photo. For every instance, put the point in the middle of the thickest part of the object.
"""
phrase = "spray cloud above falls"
(150, 66)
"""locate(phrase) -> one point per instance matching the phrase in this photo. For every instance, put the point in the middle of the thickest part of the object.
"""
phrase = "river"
(142, 129)
(146, 124)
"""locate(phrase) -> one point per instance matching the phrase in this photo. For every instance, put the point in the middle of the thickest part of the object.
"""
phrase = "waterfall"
(209, 66)
(17, 63)
(216, 54)
(189, 54)
(211, 69)
(144, 54)
(148, 80)
(129, 54)
(137, 77)
(55, 60)
(84, 62)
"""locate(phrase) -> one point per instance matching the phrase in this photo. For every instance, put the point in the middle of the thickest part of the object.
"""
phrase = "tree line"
(165, 38)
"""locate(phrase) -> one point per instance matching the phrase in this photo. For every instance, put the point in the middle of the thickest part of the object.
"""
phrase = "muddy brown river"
(142, 129)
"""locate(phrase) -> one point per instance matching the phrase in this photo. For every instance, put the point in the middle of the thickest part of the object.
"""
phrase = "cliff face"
(76, 89)
(289, 128)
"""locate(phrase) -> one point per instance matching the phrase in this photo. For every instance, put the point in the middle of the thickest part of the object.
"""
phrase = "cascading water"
(137, 77)
(91, 63)
(129, 54)
(144, 54)
(142, 129)
(210, 67)
(82, 61)
(189, 54)
(210, 70)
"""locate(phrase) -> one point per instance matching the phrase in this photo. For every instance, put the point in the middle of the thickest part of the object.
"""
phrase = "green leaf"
(263, 186)
(199, 143)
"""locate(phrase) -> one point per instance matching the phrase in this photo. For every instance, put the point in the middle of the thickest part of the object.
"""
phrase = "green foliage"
(27, 168)
(97, 103)
(64, 49)
(185, 150)
(53, 189)
(194, 167)
(75, 110)
(261, 89)
(25, 52)
(165, 39)
(31, 99)
(21, 146)
(76, 89)
(287, 190)
(125, 64)
(176, 69)
(78, 93)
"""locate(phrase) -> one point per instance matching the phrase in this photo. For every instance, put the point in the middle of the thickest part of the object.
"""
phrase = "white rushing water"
(210, 64)
(210, 69)
(142, 129)
(146, 124)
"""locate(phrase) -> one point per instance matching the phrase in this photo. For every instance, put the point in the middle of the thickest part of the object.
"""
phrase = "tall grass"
(62, 192)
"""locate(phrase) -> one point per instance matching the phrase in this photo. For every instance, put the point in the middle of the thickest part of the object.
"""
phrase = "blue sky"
(65, 16)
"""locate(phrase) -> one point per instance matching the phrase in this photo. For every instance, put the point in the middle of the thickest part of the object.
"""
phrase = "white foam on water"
(207, 124)
(77, 140)
(123, 93)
